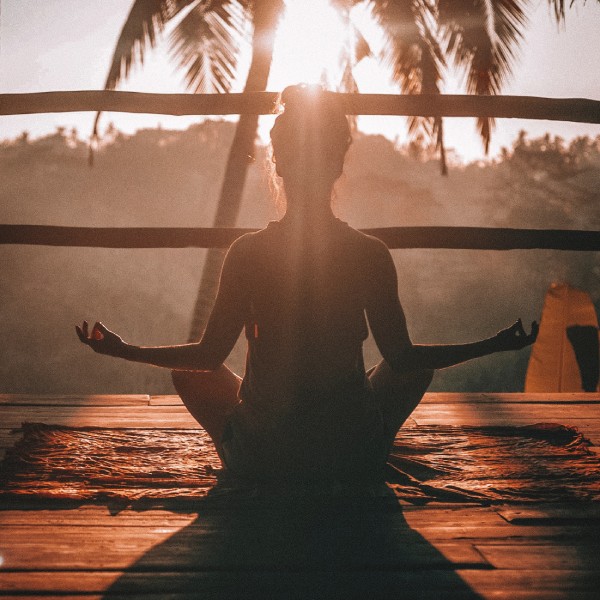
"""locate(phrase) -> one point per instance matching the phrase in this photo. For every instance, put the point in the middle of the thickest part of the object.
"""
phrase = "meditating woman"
(304, 289)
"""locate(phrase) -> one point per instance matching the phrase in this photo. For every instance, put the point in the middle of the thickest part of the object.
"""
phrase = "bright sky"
(67, 45)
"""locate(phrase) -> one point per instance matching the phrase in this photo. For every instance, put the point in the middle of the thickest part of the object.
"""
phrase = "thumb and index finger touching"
(528, 338)
(98, 332)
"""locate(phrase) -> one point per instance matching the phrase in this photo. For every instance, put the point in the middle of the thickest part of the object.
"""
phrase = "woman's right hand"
(101, 339)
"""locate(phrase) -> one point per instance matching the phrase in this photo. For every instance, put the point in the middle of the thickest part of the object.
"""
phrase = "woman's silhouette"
(303, 289)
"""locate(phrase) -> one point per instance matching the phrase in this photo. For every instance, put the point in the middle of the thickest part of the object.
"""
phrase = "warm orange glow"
(309, 41)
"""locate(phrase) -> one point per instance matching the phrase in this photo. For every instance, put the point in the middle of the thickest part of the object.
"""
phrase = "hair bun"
(313, 125)
(301, 94)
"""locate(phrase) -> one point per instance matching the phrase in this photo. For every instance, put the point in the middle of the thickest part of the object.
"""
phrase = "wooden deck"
(168, 550)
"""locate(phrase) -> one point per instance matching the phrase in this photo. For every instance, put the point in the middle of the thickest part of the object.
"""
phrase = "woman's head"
(310, 137)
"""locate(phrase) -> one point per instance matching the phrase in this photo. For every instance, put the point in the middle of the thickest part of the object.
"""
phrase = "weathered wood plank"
(520, 555)
(423, 594)
(464, 532)
(76, 596)
(169, 417)
(78, 400)
(77, 548)
(545, 397)
(91, 514)
(432, 524)
(583, 399)
(456, 238)
(474, 515)
(170, 400)
(178, 416)
(511, 398)
(504, 414)
(506, 411)
(98, 516)
(505, 582)
(427, 105)
(548, 514)
(465, 584)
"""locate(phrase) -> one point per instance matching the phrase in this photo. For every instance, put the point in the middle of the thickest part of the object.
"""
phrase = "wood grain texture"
(427, 105)
(430, 584)
(43, 548)
(450, 551)
(520, 555)
(553, 514)
(75, 400)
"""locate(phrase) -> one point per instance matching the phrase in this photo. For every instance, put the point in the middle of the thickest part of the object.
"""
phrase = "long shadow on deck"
(300, 549)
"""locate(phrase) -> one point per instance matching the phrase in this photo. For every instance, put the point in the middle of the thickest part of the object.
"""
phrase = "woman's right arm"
(193, 357)
(388, 325)
(222, 331)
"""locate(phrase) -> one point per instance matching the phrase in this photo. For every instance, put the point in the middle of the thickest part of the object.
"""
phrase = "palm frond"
(344, 6)
(402, 49)
(206, 44)
(415, 56)
(559, 9)
(146, 20)
(482, 37)
(362, 49)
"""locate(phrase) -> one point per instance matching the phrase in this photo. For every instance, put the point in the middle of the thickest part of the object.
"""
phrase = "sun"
(308, 47)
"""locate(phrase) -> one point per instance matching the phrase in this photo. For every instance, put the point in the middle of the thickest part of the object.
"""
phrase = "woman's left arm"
(440, 356)
(223, 329)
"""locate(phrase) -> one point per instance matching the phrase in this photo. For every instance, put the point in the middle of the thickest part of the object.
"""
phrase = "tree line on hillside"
(172, 178)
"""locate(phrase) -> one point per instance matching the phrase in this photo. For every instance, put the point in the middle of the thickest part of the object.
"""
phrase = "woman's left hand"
(101, 339)
(515, 337)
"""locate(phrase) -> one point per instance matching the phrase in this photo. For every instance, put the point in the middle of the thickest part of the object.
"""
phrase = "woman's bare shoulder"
(249, 240)
(248, 245)
(370, 245)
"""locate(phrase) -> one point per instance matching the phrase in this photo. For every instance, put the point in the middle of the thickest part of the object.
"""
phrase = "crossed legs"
(398, 395)
(211, 396)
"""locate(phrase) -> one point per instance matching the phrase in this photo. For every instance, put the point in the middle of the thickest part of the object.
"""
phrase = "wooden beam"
(465, 238)
(518, 107)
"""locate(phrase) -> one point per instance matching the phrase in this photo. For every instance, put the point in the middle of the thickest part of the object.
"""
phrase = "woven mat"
(543, 462)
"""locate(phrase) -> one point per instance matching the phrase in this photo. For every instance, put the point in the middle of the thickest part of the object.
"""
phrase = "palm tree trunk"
(241, 155)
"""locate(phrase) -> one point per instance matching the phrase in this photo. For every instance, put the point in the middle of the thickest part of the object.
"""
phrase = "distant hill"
(172, 178)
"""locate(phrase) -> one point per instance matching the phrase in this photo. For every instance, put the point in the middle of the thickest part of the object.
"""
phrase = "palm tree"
(206, 41)
(422, 38)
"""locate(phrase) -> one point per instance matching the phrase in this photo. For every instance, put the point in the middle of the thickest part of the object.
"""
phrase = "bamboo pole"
(518, 107)
(457, 238)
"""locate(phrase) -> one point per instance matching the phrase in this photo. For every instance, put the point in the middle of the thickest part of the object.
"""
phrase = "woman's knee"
(182, 380)
(415, 383)
(384, 376)
(221, 385)
(191, 382)
(425, 376)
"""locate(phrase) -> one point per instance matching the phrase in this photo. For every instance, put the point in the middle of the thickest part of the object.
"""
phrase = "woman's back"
(306, 297)
(305, 395)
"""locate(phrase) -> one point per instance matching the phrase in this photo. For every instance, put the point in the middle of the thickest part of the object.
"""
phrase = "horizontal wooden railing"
(475, 238)
(465, 238)
(515, 107)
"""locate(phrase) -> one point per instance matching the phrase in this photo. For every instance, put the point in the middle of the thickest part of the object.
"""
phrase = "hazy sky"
(67, 45)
